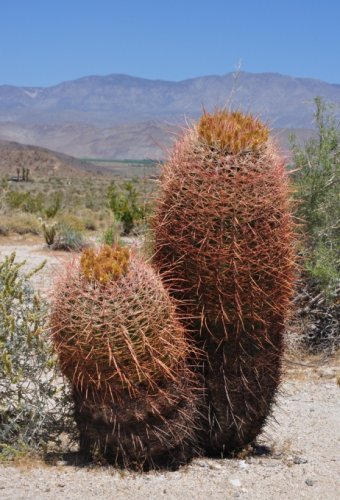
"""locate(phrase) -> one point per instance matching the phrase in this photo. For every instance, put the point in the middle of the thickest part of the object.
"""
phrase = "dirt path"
(303, 439)
(303, 461)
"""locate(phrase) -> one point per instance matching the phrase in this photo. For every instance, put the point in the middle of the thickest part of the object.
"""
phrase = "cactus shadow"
(71, 458)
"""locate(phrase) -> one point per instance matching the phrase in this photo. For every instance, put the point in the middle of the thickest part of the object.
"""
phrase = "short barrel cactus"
(121, 345)
(223, 232)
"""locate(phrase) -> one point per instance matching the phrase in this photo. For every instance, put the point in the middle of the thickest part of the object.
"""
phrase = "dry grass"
(82, 203)
(19, 223)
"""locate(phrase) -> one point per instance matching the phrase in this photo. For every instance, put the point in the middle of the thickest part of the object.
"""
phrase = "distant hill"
(42, 161)
(134, 141)
(121, 116)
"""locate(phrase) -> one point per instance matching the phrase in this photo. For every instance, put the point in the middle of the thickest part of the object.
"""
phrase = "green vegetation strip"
(109, 160)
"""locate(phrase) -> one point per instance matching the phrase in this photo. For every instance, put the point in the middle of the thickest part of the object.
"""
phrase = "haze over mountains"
(120, 116)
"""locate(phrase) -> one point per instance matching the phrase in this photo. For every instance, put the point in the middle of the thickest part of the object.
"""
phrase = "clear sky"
(44, 42)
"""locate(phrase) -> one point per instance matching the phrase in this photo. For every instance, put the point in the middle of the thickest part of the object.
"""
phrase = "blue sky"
(44, 42)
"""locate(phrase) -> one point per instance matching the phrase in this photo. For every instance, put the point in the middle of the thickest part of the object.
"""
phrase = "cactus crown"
(232, 131)
(109, 263)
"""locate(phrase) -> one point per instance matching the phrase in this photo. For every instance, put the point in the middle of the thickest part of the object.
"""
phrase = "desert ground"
(296, 456)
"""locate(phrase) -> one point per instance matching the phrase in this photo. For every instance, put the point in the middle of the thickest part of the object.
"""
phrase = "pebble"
(215, 466)
(309, 481)
(243, 464)
(326, 373)
(300, 460)
(235, 482)
(200, 463)
(62, 463)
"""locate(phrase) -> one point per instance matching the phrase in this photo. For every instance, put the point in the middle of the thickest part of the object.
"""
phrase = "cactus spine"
(223, 233)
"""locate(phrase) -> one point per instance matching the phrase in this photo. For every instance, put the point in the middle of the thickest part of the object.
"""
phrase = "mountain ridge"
(122, 116)
(112, 99)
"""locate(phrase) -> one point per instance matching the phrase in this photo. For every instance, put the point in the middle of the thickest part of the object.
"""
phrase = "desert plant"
(72, 221)
(19, 223)
(317, 180)
(223, 233)
(111, 235)
(26, 201)
(53, 205)
(69, 235)
(124, 351)
(125, 205)
(32, 403)
(49, 232)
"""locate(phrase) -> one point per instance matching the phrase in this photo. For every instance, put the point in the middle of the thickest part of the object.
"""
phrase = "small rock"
(62, 462)
(309, 481)
(326, 373)
(201, 463)
(300, 460)
(60, 485)
(236, 495)
(235, 482)
(243, 464)
(215, 466)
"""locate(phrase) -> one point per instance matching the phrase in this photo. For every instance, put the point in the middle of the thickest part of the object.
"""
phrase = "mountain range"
(120, 116)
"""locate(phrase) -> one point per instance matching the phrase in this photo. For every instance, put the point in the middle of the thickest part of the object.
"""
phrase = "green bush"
(317, 181)
(54, 205)
(25, 201)
(125, 205)
(111, 235)
(32, 404)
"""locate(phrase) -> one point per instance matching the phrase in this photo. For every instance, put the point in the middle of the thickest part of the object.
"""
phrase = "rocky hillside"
(133, 141)
(41, 161)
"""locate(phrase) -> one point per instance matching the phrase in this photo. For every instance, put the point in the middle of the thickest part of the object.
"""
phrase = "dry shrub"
(34, 405)
(19, 223)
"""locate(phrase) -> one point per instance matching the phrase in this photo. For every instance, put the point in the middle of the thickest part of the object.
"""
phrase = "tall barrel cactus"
(223, 233)
(124, 351)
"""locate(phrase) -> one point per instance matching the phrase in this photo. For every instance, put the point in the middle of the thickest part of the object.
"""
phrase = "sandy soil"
(298, 454)
(34, 252)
